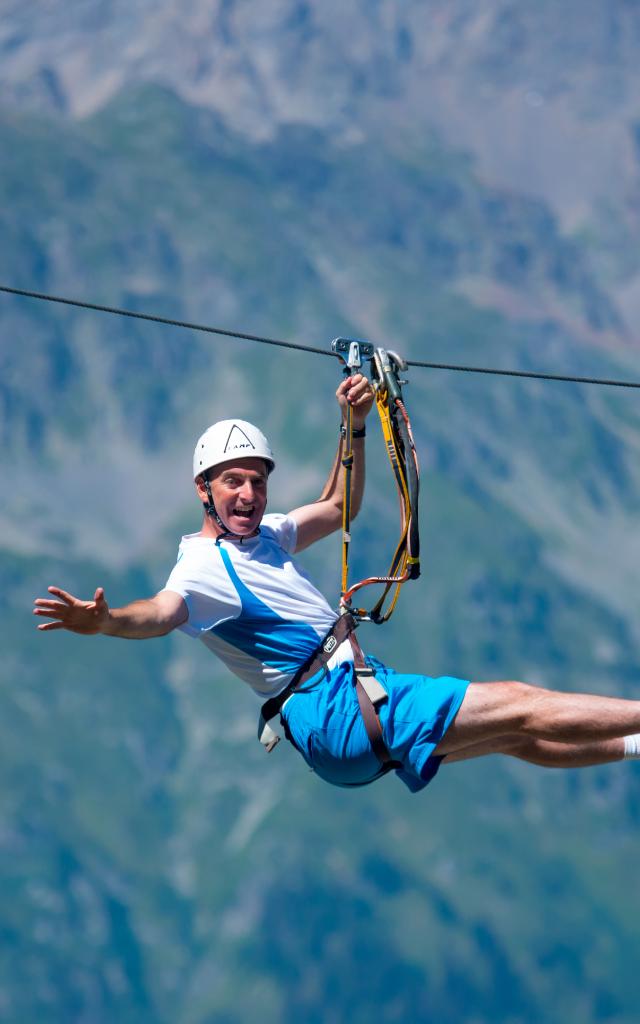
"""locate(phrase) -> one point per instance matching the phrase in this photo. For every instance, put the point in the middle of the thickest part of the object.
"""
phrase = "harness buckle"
(267, 736)
(372, 686)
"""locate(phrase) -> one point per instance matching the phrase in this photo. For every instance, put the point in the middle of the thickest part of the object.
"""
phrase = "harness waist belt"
(341, 629)
(369, 690)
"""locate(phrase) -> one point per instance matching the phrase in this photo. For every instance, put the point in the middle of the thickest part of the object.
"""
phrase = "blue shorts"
(324, 722)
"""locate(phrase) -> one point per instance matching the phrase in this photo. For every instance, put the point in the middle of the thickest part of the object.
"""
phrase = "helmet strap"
(212, 511)
(209, 506)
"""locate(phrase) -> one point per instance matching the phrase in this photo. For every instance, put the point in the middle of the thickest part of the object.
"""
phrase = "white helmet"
(228, 440)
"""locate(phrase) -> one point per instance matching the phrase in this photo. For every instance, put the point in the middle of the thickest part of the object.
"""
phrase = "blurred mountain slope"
(156, 206)
(544, 98)
(155, 865)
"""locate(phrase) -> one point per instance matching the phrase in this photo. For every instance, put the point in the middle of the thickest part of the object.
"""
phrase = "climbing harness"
(342, 629)
(386, 368)
(369, 691)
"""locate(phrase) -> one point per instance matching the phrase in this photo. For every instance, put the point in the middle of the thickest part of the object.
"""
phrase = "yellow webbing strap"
(397, 573)
(347, 463)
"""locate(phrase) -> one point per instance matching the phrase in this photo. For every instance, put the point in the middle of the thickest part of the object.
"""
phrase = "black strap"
(369, 711)
(341, 629)
(373, 727)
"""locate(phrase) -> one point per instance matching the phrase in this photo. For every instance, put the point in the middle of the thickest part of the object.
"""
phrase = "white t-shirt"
(252, 605)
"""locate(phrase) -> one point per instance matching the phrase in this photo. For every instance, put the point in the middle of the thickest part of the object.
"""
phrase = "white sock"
(632, 747)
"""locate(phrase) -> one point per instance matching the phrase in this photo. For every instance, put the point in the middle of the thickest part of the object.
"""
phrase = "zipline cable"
(207, 329)
(530, 375)
(163, 320)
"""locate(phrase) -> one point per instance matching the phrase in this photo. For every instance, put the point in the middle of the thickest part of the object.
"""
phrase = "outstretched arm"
(324, 516)
(154, 616)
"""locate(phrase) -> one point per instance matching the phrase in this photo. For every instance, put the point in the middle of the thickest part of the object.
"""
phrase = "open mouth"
(243, 513)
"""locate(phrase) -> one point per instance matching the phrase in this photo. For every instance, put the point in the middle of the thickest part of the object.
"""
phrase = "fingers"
(68, 598)
(46, 627)
(98, 599)
(356, 380)
(50, 610)
(356, 390)
(69, 612)
(48, 604)
(63, 610)
(44, 607)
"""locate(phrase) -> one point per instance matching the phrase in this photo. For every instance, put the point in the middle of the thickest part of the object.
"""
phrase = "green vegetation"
(154, 865)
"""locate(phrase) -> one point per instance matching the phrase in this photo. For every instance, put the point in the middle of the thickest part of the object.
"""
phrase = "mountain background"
(460, 183)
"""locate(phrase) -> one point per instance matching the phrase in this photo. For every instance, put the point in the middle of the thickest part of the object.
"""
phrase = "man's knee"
(531, 706)
(488, 711)
(509, 701)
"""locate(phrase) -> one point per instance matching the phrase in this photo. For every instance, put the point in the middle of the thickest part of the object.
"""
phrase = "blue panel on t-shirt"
(261, 633)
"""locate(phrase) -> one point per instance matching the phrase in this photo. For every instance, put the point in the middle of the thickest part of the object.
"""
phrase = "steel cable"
(224, 332)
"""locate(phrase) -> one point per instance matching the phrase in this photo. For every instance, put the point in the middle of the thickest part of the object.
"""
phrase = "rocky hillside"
(460, 186)
(545, 101)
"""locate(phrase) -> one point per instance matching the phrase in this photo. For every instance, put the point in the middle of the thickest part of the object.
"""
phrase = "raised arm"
(324, 516)
(153, 616)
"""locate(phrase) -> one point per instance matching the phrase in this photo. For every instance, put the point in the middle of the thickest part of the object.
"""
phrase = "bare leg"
(545, 752)
(494, 711)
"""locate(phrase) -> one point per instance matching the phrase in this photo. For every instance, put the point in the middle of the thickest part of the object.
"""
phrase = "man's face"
(239, 492)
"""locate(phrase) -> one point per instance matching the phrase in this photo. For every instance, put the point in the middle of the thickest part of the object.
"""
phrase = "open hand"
(71, 613)
(358, 393)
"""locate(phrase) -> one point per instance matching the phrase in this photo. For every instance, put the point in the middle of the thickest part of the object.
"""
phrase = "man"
(237, 588)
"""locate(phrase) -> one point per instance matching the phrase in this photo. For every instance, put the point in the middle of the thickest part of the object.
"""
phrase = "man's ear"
(200, 488)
